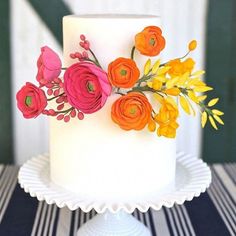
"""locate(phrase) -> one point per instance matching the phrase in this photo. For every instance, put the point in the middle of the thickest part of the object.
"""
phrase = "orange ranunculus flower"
(150, 41)
(123, 72)
(131, 111)
(166, 118)
(179, 68)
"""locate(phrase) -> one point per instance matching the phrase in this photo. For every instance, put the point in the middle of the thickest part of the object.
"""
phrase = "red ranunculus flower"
(86, 86)
(31, 100)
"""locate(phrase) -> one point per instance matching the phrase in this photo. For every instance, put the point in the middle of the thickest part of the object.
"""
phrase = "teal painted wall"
(220, 146)
(6, 142)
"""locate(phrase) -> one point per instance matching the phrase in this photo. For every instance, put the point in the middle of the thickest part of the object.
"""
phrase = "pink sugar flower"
(31, 100)
(86, 86)
(49, 66)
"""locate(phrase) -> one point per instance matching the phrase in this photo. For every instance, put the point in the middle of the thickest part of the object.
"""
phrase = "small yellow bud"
(156, 85)
(151, 125)
(147, 67)
(149, 84)
(192, 45)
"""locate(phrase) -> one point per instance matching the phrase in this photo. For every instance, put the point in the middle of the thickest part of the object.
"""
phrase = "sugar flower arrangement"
(85, 87)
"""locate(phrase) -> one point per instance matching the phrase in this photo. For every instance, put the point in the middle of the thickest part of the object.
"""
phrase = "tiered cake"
(95, 157)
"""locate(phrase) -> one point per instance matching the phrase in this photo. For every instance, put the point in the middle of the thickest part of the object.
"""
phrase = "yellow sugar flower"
(212, 102)
(204, 119)
(176, 68)
(192, 45)
(155, 84)
(193, 97)
(176, 78)
(201, 98)
(217, 112)
(179, 68)
(151, 125)
(166, 118)
(213, 115)
(170, 100)
(172, 91)
(188, 65)
(198, 73)
(218, 119)
(168, 130)
(147, 67)
(202, 89)
(185, 104)
(172, 82)
(158, 97)
(156, 66)
(195, 82)
(167, 112)
(183, 80)
(162, 70)
(213, 122)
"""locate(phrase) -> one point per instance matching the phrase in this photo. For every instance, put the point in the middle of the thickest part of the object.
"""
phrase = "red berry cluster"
(54, 87)
(80, 56)
(56, 92)
(86, 46)
(70, 113)
(84, 42)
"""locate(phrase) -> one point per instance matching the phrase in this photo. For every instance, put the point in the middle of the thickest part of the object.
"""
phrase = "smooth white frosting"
(95, 157)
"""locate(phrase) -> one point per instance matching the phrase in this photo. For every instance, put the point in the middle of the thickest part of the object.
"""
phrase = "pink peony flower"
(49, 66)
(31, 100)
(86, 86)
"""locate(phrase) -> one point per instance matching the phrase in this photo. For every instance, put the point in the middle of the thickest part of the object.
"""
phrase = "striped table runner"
(212, 214)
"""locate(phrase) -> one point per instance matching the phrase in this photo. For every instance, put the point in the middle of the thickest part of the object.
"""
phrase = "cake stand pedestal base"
(109, 224)
(193, 176)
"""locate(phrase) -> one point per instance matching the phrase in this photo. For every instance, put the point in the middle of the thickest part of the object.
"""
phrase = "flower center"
(28, 101)
(123, 72)
(132, 110)
(90, 87)
(152, 41)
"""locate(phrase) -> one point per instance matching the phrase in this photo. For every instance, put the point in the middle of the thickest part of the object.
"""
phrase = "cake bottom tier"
(109, 178)
(95, 158)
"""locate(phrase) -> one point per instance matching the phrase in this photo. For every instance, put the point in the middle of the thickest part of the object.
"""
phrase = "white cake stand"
(193, 177)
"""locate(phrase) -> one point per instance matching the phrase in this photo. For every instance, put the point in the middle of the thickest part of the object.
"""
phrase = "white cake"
(95, 157)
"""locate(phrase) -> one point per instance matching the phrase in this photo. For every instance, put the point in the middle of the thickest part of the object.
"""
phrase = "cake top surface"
(111, 16)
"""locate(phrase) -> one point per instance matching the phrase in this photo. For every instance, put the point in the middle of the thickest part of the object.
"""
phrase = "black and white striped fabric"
(212, 214)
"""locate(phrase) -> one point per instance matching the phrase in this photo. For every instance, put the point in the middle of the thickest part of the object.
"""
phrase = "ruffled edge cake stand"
(193, 177)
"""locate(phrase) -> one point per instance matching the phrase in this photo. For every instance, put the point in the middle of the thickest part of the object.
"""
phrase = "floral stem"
(64, 68)
(50, 99)
(95, 58)
(132, 52)
(143, 79)
(65, 111)
(178, 58)
(184, 55)
(119, 93)
(204, 107)
(144, 88)
(93, 61)
(147, 89)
